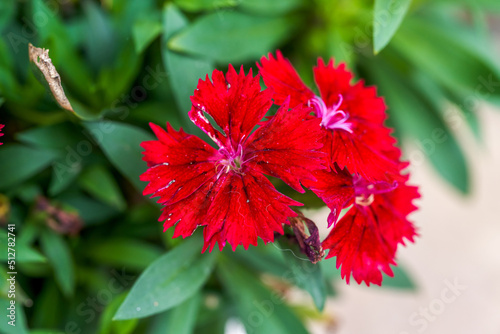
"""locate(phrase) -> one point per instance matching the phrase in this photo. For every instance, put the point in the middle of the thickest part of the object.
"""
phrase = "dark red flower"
(352, 116)
(366, 238)
(225, 189)
(1, 134)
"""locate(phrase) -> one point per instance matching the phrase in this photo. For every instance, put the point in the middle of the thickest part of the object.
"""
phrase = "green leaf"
(63, 175)
(232, 36)
(387, 17)
(91, 211)
(184, 71)
(199, 5)
(144, 32)
(109, 326)
(21, 162)
(182, 319)
(126, 12)
(441, 99)
(121, 145)
(400, 280)
(114, 81)
(168, 281)
(415, 116)
(7, 11)
(100, 183)
(24, 252)
(304, 274)
(483, 4)
(68, 167)
(267, 7)
(49, 137)
(59, 255)
(129, 253)
(19, 325)
(100, 40)
(260, 310)
(48, 306)
(263, 258)
(470, 72)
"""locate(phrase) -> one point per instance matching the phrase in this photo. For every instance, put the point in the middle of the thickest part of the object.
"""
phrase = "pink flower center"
(331, 118)
(232, 160)
(365, 191)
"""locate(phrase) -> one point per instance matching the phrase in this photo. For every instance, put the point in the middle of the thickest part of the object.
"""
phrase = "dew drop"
(138, 309)
(155, 304)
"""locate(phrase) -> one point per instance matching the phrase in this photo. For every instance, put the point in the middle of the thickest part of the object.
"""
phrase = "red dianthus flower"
(225, 190)
(366, 238)
(369, 178)
(352, 116)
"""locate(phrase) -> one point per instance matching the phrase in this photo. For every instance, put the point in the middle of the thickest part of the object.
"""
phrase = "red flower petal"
(246, 206)
(359, 247)
(365, 240)
(1, 134)
(393, 209)
(332, 81)
(179, 164)
(235, 102)
(361, 157)
(335, 188)
(190, 212)
(279, 74)
(287, 146)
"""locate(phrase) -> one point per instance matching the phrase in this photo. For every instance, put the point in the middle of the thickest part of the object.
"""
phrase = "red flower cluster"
(343, 153)
(364, 167)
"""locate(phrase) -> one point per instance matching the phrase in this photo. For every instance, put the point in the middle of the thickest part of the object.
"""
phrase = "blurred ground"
(455, 262)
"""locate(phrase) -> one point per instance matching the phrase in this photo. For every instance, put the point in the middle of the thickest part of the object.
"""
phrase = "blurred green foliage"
(95, 260)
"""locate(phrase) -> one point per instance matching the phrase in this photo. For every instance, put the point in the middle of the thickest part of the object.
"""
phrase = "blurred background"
(69, 180)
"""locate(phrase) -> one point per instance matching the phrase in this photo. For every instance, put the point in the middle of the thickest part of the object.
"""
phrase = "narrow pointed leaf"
(100, 183)
(304, 274)
(260, 310)
(59, 255)
(21, 162)
(387, 17)
(168, 281)
(182, 319)
(232, 36)
(121, 144)
(184, 71)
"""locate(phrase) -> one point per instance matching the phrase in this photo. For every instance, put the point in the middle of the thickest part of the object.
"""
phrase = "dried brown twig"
(40, 57)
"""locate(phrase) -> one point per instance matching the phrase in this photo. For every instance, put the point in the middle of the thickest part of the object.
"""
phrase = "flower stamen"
(365, 191)
(331, 118)
(232, 160)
